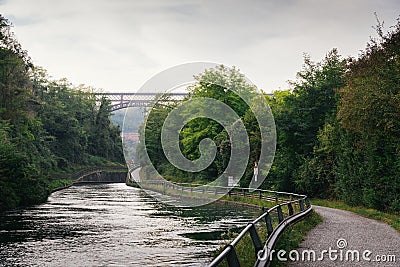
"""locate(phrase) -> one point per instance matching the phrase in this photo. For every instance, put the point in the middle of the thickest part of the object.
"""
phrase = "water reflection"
(114, 225)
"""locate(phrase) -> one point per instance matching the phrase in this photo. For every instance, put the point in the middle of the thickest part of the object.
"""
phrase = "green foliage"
(300, 115)
(150, 142)
(347, 149)
(318, 175)
(56, 184)
(45, 126)
(104, 140)
(338, 129)
(369, 113)
(216, 83)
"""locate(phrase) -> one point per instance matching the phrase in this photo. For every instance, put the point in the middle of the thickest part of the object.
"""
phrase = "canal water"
(115, 225)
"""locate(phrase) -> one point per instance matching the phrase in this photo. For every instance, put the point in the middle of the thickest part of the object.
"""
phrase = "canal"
(115, 225)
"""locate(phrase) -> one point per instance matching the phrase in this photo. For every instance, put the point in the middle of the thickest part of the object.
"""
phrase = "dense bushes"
(356, 146)
(369, 114)
(300, 116)
(45, 126)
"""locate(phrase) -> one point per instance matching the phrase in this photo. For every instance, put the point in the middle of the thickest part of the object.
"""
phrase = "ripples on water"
(114, 225)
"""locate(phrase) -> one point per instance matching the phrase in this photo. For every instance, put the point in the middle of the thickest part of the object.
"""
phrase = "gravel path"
(359, 233)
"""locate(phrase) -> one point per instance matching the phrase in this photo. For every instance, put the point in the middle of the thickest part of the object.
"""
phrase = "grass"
(294, 235)
(389, 218)
(250, 200)
(55, 184)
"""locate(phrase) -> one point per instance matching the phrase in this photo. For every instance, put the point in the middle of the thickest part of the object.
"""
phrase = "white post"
(255, 171)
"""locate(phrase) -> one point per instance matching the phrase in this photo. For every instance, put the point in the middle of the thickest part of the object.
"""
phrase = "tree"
(45, 126)
(224, 85)
(300, 114)
(369, 113)
(102, 141)
(20, 157)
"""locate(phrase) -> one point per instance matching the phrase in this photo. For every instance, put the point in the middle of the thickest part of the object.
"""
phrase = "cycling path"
(345, 234)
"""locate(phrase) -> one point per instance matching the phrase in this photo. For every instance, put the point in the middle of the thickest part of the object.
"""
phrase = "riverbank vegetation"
(46, 127)
(338, 131)
(353, 153)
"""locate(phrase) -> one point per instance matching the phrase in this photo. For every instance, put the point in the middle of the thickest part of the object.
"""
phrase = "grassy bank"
(389, 218)
(295, 234)
(55, 185)
(250, 200)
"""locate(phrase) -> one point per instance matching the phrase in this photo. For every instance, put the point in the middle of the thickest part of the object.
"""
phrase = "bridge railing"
(125, 100)
(290, 208)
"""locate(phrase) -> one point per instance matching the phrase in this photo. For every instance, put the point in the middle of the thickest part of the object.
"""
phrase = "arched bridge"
(125, 100)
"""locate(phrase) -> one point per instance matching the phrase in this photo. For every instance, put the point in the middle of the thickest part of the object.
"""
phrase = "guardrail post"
(229, 193)
(216, 190)
(290, 207)
(244, 192)
(232, 257)
(268, 222)
(260, 194)
(280, 213)
(276, 196)
(301, 204)
(307, 202)
(255, 238)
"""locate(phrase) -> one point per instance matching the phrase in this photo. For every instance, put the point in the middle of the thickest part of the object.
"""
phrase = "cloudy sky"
(118, 45)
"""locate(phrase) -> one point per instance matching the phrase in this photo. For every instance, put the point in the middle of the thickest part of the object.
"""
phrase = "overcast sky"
(118, 45)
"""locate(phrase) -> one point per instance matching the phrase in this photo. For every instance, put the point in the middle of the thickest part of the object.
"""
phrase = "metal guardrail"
(222, 190)
(297, 207)
(265, 257)
(263, 252)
